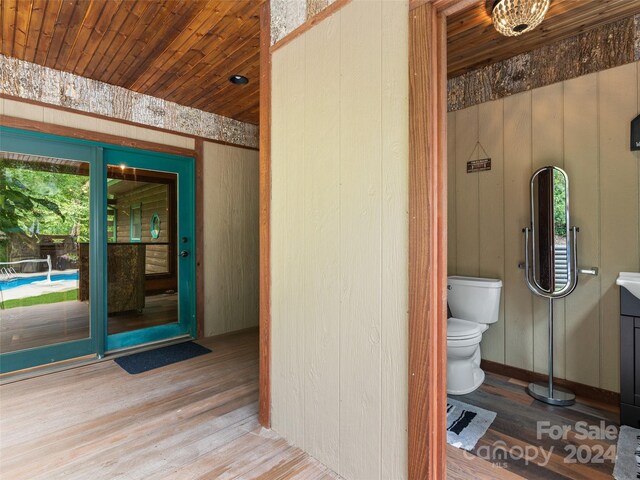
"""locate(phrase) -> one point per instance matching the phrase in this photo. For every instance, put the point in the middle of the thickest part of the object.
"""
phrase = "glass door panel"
(142, 271)
(44, 225)
(95, 248)
(149, 236)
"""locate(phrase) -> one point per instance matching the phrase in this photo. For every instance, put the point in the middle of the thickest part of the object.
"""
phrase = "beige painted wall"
(340, 240)
(231, 213)
(581, 125)
(231, 256)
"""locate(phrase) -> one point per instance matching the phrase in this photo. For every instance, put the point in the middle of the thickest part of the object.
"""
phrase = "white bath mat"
(628, 457)
(466, 424)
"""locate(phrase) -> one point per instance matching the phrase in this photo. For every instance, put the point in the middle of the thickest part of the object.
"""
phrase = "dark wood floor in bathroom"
(515, 428)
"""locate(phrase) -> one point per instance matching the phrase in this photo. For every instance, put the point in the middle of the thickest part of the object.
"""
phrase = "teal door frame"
(185, 229)
(98, 155)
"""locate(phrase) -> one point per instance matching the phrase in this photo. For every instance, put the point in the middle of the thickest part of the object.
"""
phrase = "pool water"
(18, 282)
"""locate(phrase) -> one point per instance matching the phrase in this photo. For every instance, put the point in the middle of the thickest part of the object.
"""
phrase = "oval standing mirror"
(155, 226)
(550, 260)
(550, 226)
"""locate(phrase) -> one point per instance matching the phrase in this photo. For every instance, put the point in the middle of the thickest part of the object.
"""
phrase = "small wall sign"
(480, 165)
(635, 133)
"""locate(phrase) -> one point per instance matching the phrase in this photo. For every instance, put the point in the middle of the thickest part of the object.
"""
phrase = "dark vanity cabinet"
(629, 359)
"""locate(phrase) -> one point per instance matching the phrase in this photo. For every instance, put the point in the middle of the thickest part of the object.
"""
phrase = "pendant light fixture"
(515, 17)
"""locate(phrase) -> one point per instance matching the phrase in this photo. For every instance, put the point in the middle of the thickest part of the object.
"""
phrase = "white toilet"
(474, 305)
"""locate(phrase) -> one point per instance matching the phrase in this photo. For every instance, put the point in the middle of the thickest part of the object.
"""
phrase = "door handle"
(184, 253)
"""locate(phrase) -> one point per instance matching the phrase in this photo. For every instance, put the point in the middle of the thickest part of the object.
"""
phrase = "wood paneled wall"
(153, 198)
(223, 157)
(339, 233)
(230, 238)
(581, 125)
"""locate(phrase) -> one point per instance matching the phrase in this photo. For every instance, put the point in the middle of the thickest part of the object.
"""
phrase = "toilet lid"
(458, 328)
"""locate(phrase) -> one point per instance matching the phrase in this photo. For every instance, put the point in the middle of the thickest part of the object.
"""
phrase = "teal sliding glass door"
(96, 248)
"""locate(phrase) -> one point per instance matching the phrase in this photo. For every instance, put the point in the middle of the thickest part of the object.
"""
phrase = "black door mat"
(160, 357)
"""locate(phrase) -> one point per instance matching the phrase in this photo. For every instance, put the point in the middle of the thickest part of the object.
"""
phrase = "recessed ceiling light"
(238, 79)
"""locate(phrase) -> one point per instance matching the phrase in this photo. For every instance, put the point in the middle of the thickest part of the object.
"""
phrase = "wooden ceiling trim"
(194, 32)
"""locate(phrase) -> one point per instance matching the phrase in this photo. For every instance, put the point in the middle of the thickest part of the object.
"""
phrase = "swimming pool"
(18, 282)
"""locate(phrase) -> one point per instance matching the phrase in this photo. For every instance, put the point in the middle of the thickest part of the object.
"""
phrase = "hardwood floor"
(36, 326)
(515, 430)
(195, 419)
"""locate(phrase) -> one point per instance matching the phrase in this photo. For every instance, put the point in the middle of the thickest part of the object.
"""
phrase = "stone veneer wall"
(600, 48)
(30, 81)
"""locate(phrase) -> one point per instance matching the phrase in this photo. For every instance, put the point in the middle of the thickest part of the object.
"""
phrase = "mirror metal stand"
(542, 281)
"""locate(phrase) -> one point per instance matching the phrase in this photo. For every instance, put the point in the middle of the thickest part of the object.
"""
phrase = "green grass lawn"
(47, 298)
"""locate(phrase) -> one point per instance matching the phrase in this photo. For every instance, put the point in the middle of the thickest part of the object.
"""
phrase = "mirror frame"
(531, 268)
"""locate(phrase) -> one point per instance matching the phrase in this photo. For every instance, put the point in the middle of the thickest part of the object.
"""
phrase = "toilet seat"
(458, 329)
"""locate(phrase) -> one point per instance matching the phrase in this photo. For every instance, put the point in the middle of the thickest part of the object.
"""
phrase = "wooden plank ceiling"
(183, 51)
(473, 42)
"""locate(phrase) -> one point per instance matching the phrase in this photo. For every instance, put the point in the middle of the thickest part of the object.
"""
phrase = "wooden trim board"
(119, 120)
(264, 414)
(580, 389)
(199, 157)
(42, 127)
(427, 244)
(428, 235)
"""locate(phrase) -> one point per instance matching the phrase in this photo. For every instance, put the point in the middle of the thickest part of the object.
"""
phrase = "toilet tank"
(474, 299)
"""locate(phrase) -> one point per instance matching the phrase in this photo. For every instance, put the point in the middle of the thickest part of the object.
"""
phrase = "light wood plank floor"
(195, 419)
